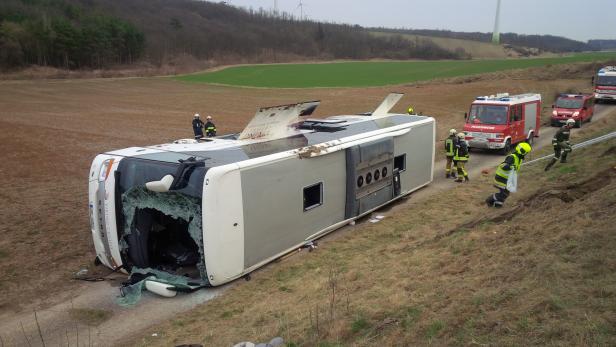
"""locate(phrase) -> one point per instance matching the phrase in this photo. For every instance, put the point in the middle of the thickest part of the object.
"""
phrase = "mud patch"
(608, 152)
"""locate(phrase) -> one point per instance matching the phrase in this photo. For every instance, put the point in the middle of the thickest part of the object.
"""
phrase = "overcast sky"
(576, 19)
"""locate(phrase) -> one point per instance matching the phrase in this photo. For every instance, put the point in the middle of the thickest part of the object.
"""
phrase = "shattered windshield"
(488, 114)
(569, 103)
(606, 81)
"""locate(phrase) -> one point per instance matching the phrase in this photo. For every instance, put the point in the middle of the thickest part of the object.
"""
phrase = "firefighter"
(511, 162)
(450, 148)
(460, 158)
(210, 128)
(562, 146)
(197, 125)
(410, 110)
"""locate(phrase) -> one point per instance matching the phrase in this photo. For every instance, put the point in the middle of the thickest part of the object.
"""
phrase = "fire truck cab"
(605, 84)
(500, 121)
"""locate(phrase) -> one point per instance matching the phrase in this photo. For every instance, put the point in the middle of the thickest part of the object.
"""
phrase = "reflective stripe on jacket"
(461, 152)
(502, 175)
(449, 146)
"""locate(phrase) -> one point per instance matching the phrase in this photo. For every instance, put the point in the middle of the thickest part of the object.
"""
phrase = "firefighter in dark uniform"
(460, 158)
(197, 125)
(450, 147)
(562, 146)
(210, 128)
(512, 162)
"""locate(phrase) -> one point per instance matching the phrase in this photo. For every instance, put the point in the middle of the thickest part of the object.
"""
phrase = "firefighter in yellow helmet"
(460, 158)
(450, 148)
(511, 163)
(410, 110)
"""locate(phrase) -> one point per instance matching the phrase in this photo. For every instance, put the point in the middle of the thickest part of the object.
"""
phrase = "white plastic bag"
(512, 181)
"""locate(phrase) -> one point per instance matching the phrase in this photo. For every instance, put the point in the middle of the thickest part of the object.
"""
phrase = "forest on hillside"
(103, 33)
(549, 43)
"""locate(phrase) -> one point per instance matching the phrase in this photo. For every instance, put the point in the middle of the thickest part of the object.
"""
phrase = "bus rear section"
(500, 121)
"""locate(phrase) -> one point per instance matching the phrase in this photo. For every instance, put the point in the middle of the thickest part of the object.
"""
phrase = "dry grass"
(89, 316)
(544, 276)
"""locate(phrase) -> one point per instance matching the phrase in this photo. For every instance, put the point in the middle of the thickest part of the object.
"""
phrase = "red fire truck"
(500, 121)
(605, 84)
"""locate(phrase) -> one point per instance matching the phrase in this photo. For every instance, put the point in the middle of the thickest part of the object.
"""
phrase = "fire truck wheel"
(531, 139)
(507, 147)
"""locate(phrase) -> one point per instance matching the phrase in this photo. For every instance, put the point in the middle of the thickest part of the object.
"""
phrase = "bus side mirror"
(552, 106)
(465, 115)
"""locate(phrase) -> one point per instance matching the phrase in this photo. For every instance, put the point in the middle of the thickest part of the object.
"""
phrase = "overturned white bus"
(215, 210)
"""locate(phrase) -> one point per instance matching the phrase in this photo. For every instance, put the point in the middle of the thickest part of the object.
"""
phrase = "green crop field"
(365, 74)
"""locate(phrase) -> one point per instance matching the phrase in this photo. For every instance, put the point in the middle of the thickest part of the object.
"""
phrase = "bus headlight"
(105, 170)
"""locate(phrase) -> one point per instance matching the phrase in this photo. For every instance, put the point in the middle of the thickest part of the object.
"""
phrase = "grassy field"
(365, 74)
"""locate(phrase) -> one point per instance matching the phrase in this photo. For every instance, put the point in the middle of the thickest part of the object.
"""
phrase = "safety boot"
(552, 162)
(490, 201)
(447, 175)
(466, 179)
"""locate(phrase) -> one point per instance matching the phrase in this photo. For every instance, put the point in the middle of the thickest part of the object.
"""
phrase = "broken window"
(163, 231)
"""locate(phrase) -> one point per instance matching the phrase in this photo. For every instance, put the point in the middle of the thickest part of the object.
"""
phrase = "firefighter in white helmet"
(562, 146)
(197, 125)
(460, 158)
(210, 128)
(450, 149)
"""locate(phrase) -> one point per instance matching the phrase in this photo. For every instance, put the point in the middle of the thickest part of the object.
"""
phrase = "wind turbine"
(301, 10)
(495, 33)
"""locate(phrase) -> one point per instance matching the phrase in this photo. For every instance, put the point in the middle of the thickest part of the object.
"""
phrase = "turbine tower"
(495, 33)
(301, 10)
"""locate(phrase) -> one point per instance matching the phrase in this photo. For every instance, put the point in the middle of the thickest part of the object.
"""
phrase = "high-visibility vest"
(449, 147)
(502, 176)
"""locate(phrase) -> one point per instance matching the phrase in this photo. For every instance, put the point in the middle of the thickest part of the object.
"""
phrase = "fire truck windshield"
(488, 114)
(569, 103)
(606, 81)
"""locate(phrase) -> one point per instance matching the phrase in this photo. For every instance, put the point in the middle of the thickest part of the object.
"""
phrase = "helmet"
(410, 110)
(196, 115)
(208, 117)
(452, 131)
(570, 122)
(523, 148)
(461, 135)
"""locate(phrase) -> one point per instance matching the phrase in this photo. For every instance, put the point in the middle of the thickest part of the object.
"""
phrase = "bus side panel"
(274, 193)
(418, 148)
(223, 224)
